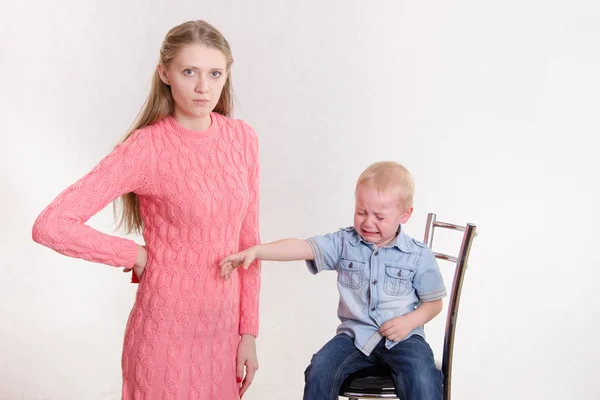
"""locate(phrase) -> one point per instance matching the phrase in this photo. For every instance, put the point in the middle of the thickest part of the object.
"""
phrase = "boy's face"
(377, 216)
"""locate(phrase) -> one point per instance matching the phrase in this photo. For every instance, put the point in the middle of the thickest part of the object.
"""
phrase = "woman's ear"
(162, 73)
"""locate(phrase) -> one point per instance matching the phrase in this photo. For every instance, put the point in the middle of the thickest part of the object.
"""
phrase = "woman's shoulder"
(240, 126)
(146, 134)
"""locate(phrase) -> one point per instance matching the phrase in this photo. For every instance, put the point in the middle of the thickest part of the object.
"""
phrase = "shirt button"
(376, 252)
(374, 281)
(373, 309)
(350, 265)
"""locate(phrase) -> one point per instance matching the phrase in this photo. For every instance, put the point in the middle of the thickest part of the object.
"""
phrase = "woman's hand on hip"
(140, 263)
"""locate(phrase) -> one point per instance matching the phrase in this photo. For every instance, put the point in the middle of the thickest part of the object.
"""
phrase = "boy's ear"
(406, 215)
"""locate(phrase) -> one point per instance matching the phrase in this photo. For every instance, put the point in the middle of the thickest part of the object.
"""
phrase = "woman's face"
(196, 76)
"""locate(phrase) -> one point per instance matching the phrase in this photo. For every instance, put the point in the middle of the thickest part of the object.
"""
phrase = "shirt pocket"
(350, 273)
(398, 280)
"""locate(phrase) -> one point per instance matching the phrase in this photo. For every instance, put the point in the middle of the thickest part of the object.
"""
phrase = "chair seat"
(372, 383)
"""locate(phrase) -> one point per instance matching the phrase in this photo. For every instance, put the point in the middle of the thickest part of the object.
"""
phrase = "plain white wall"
(492, 105)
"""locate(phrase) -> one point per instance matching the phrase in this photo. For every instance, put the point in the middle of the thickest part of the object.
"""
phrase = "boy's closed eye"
(380, 216)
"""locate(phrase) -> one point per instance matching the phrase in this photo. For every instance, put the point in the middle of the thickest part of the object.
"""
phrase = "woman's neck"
(191, 122)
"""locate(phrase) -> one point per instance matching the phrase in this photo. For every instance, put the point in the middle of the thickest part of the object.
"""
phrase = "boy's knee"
(317, 367)
(324, 373)
(426, 378)
(427, 370)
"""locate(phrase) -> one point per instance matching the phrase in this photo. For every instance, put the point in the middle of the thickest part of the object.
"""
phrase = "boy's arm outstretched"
(281, 250)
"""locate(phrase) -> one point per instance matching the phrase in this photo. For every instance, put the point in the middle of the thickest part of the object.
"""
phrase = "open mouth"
(370, 233)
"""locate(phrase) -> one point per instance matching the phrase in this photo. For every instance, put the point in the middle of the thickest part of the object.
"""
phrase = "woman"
(188, 177)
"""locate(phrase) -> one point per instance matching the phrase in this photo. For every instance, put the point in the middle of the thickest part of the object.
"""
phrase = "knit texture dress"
(198, 198)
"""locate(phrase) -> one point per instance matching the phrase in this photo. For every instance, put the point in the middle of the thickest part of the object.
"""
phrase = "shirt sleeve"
(249, 236)
(428, 281)
(61, 226)
(327, 251)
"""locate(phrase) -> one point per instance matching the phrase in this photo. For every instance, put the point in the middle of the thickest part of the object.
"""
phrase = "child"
(389, 284)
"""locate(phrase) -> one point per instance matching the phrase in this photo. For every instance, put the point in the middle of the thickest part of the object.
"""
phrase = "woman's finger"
(250, 372)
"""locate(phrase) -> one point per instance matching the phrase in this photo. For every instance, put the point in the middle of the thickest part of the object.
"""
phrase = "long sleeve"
(250, 236)
(62, 227)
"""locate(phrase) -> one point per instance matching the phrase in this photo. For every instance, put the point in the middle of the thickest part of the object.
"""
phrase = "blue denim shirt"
(376, 284)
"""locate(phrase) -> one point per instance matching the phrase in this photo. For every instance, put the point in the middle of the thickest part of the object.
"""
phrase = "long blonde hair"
(160, 103)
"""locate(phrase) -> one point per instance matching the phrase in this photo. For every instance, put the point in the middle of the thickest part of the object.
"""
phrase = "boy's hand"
(396, 329)
(229, 263)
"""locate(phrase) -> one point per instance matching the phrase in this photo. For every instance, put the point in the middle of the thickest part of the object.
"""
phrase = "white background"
(493, 106)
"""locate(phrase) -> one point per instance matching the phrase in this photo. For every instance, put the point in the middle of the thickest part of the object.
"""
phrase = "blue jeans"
(410, 362)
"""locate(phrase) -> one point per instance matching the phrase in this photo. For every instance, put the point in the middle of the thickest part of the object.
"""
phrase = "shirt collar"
(403, 242)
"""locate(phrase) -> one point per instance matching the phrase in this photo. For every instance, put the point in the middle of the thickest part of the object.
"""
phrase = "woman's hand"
(246, 358)
(140, 263)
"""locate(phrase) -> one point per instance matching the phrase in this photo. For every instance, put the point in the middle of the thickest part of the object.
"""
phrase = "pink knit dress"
(198, 196)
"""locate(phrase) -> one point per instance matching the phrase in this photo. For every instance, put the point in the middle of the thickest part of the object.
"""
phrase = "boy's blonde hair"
(389, 177)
